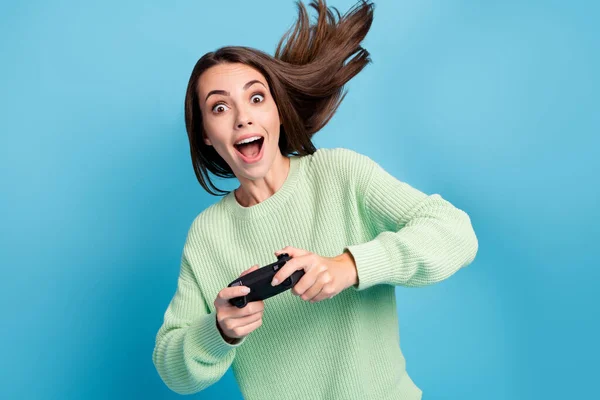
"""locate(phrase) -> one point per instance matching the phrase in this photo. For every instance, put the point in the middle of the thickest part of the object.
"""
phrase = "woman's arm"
(190, 353)
(420, 239)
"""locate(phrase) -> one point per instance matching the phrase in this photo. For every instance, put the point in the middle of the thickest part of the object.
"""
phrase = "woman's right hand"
(235, 323)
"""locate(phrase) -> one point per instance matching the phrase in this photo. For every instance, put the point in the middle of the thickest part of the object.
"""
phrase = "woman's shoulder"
(341, 160)
(203, 225)
(334, 152)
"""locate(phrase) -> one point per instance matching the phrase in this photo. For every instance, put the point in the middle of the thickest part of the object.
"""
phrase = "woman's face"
(236, 104)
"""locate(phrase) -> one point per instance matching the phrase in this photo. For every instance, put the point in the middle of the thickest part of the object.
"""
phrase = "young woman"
(355, 230)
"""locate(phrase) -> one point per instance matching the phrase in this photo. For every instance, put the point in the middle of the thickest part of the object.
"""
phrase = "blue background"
(493, 105)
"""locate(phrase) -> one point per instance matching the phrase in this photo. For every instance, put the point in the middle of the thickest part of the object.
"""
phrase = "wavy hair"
(306, 76)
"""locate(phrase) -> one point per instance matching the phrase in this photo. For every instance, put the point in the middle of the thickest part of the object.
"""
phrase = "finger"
(252, 268)
(326, 293)
(317, 288)
(232, 323)
(245, 330)
(295, 264)
(231, 292)
(254, 307)
(232, 312)
(245, 320)
(321, 296)
(308, 280)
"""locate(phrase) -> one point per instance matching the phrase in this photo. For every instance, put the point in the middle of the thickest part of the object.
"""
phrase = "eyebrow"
(226, 93)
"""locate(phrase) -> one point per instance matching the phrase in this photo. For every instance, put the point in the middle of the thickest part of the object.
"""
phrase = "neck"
(252, 192)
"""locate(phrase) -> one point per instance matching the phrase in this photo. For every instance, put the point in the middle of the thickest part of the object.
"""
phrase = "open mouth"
(250, 150)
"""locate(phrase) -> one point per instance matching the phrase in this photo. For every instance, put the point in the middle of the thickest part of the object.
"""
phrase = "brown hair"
(306, 78)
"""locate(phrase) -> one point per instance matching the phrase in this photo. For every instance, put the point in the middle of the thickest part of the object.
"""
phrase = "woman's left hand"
(324, 277)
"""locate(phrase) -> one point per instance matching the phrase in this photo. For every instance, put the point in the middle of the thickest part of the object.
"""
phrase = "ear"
(206, 140)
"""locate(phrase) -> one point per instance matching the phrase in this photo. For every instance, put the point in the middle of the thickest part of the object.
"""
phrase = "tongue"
(249, 150)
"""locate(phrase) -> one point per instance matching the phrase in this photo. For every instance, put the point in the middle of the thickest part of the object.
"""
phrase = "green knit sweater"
(347, 347)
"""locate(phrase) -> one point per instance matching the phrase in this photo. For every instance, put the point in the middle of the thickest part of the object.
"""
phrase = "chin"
(261, 168)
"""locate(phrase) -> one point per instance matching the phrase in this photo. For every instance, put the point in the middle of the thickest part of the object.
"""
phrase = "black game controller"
(259, 282)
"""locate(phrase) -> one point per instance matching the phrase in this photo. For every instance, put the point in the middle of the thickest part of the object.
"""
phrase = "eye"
(258, 96)
(219, 108)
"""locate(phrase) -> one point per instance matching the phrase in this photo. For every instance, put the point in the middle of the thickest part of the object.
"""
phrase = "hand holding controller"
(259, 282)
(234, 323)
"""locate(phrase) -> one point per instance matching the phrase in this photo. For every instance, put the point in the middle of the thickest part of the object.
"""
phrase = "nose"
(243, 118)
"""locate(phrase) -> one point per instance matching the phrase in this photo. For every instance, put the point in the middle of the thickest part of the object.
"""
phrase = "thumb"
(252, 268)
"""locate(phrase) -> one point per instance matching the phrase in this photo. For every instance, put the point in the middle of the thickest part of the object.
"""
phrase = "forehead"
(227, 77)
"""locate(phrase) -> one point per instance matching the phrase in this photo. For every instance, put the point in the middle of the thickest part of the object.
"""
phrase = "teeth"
(248, 140)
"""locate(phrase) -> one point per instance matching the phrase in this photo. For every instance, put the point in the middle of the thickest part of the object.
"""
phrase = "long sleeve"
(420, 239)
(190, 354)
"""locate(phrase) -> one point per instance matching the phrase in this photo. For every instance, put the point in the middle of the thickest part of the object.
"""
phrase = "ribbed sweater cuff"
(373, 265)
(205, 336)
